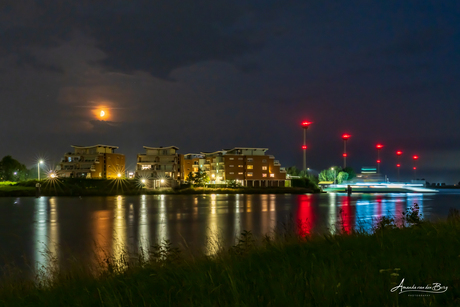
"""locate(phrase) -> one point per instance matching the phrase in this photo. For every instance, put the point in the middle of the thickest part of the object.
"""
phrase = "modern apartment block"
(247, 165)
(98, 161)
(159, 166)
(189, 163)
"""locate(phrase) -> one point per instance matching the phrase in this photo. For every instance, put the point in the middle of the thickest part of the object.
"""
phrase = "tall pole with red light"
(379, 147)
(415, 166)
(305, 125)
(345, 138)
(398, 165)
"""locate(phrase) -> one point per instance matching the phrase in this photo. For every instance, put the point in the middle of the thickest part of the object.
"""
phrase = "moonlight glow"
(102, 114)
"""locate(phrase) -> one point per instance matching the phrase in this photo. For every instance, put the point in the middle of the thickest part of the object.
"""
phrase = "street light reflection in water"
(102, 226)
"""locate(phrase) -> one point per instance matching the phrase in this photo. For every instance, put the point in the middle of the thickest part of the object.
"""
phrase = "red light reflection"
(305, 217)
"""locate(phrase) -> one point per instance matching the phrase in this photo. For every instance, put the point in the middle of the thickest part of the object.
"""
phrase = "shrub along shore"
(282, 269)
(101, 187)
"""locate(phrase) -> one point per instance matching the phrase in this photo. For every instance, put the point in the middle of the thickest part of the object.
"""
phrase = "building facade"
(159, 166)
(248, 166)
(98, 162)
(189, 163)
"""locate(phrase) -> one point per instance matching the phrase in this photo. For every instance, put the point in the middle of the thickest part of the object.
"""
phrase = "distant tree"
(200, 178)
(12, 170)
(190, 178)
(342, 176)
(293, 171)
(233, 184)
(350, 171)
(329, 174)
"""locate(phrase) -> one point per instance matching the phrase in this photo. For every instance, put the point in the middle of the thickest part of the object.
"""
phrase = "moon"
(102, 113)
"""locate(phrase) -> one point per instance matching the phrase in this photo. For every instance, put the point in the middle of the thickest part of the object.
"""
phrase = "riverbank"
(85, 187)
(287, 269)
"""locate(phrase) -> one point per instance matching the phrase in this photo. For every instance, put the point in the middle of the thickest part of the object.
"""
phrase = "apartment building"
(98, 161)
(189, 163)
(159, 166)
(247, 165)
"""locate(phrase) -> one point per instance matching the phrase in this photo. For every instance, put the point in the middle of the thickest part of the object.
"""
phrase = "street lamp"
(332, 169)
(305, 125)
(398, 154)
(345, 138)
(38, 168)
(379, 147)
(415, 167)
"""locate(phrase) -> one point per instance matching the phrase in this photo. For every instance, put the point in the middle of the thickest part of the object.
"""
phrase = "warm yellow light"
(52, 175)
(102, 113)
(213, 175)
(162, 181)
(119, 175)
(143, 180)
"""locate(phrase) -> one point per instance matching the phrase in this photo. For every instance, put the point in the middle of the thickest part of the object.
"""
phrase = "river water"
(35, 230)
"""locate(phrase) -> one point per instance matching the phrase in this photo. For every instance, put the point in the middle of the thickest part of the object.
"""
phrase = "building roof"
(98, 145)
(161, 147)
(248, 148)
(211, 152)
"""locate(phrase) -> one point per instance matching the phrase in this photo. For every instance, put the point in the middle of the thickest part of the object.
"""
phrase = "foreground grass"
(354, 269)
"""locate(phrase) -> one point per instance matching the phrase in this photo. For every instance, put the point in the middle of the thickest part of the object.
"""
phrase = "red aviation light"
(304, 146)
(415, 157)
(378, 161)
(379, 146)
(415, 168)
(346, 136)
(305, 124)
(399, 152)
(345, 155)
(398, 165)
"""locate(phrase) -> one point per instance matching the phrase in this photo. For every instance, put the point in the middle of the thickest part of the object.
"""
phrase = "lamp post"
(398, 165)
(305, 125)
(38, 168)
(415, 167)
(332, 169)
(345, 138)
(379, 147)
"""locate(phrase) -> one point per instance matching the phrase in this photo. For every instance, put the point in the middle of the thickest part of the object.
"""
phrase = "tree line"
(12, 170)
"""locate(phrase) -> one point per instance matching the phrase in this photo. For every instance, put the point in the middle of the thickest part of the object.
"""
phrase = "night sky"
(205, 75)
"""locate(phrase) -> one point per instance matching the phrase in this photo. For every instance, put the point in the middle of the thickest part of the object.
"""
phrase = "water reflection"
(162, 229)
(119, 230)
(212, 234)
(46, 233)
(204, 222)
(144, 238)
(305, 215)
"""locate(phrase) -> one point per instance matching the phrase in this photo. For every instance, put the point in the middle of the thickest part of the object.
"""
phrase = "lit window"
(146, 167)
(240, 165)
(231, 158)
(231, 173)
(250, 166)
(240, 173)
(272, 175)
(249, 174)
(230, 165)
(264, 175)
(250, 159)
(264, 168)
